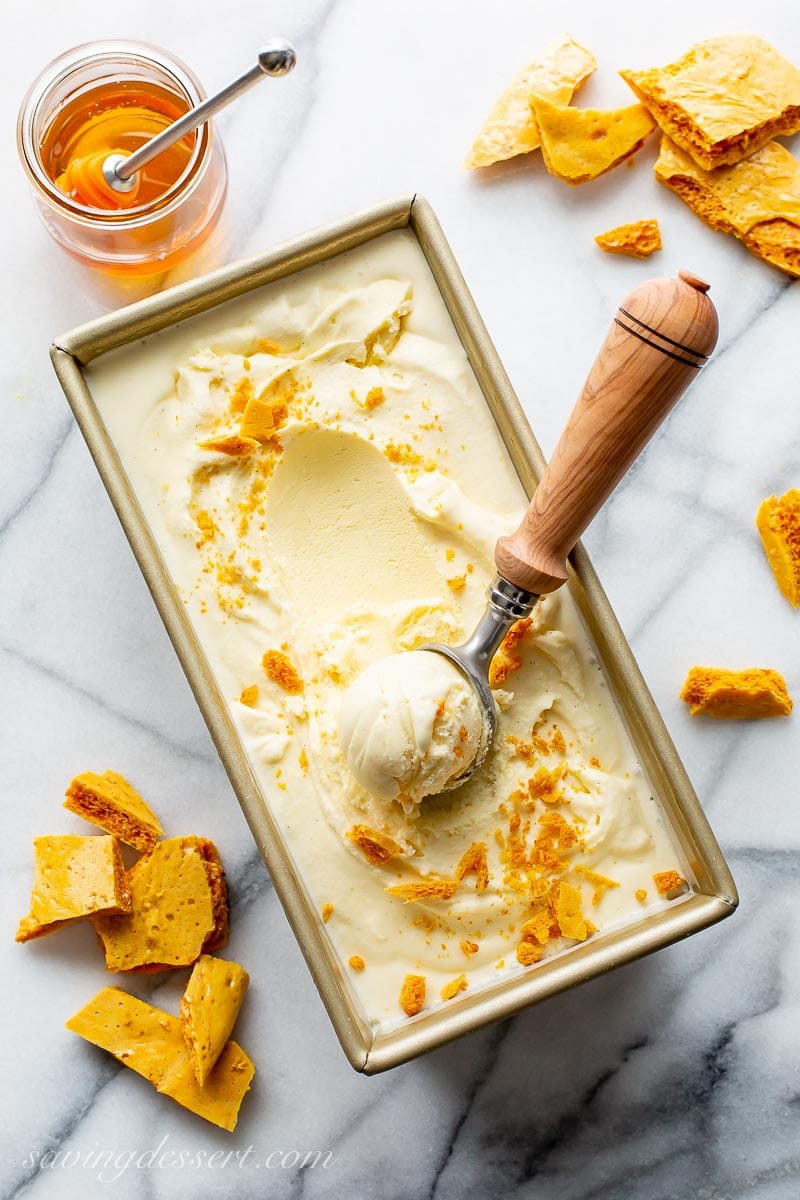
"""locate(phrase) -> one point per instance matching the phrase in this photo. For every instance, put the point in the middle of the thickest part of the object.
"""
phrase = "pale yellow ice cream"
(327, 484)
(409, 725)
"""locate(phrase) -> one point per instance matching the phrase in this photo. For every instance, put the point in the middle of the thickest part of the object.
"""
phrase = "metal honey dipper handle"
(277, 57)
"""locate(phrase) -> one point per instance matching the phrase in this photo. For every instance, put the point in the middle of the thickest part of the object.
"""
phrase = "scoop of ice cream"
(410, 724)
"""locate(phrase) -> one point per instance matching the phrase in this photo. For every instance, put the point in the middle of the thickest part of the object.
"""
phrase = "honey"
(111, 97)
(117, 118)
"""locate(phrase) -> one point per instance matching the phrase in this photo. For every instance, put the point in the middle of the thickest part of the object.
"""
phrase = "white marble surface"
(677, 1078)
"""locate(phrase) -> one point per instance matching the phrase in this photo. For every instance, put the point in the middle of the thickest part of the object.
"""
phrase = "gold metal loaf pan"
(715, 896)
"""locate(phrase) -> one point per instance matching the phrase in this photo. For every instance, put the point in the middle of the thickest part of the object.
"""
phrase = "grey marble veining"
(675, 1078)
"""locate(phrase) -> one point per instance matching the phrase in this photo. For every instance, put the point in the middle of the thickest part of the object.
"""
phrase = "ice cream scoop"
(662, 334)
(411, 723)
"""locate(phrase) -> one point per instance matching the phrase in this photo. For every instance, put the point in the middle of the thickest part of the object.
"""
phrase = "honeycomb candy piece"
(508, 658)
(179, 909)
(74, 877)
(738, 695)
(528, 953)
(451, 989)
(724, 99)
(209, 1008)
(110, 802)
(150, 1042)
(263, 415)
(281, 670)
(231, 444)
(537, 928)
(669, 884)
(569, 913)
(580, 144)
(511, 127)
(219, 893)
(412, 994)
(639, 239)
(758, 201)
(378, 848)
(425, 889)
(778, 522)
(241, 393)
(474, 862)
(258, 421)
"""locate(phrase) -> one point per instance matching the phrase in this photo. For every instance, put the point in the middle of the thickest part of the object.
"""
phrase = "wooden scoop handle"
(662, 334)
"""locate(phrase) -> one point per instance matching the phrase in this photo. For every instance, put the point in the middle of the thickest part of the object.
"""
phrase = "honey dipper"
(97, 179)
(662, 334)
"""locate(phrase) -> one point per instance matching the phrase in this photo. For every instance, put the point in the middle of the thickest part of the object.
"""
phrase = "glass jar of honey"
(111, 97)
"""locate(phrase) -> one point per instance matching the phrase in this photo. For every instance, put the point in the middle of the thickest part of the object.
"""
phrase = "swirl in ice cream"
(327, 484)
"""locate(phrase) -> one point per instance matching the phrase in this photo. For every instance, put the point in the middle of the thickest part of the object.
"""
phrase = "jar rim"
(57, 72)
